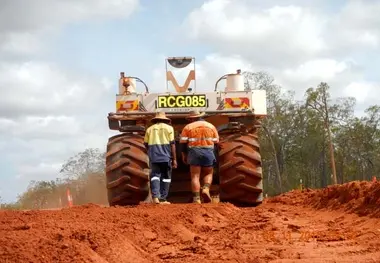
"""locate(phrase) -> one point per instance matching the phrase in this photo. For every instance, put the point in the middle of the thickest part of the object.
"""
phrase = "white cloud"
(47, 115)
(22, 22)
(24, 42)
(363, 91)
(41, 170)
(300, 45)
(325, 69)
(48, 14)
(337, 74)
(35, 88)
(47, 127)
(356, 26)
(278, 34)
(290, 33)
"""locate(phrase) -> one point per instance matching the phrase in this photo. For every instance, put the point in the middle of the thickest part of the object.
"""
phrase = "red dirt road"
(310, 226)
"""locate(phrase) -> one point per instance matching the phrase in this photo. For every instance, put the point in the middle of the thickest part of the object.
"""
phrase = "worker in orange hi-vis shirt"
(197, 140)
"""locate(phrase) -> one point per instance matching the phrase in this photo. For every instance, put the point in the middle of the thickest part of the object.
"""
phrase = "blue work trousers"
(160, 179)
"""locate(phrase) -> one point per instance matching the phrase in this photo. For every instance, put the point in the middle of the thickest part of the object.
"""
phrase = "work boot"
(164, 202)
(156, 200)
(196, 200)
(206, 195)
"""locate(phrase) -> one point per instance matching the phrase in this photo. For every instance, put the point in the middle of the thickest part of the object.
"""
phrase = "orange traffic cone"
(69, 197)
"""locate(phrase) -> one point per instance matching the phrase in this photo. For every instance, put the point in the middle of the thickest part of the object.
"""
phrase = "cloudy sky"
(60, 62)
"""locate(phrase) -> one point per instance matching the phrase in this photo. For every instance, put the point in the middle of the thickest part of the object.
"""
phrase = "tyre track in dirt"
(282, 229)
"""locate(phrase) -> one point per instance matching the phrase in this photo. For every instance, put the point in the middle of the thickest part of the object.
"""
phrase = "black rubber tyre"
(127, 170)
(240, 170)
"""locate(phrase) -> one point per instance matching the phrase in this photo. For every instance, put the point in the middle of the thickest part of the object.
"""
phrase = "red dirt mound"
(185, 233)
(362, 198)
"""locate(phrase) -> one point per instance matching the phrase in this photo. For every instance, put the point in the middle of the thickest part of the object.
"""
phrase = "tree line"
(316, 141)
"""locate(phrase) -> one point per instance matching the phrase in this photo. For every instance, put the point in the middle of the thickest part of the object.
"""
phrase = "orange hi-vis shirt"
(199, 134)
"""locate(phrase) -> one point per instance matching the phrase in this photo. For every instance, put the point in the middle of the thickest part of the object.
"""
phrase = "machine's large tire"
(127, 170)
(240, 170)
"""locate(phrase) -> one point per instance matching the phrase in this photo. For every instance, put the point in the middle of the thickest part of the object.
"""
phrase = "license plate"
(181, 101)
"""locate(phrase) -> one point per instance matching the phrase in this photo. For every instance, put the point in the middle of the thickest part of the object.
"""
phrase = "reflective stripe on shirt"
(199, 134)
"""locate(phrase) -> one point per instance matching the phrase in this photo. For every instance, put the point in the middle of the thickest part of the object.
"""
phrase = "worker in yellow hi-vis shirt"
(160, 143)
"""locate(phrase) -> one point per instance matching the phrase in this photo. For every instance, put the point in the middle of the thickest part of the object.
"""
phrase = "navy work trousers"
(160, 179)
